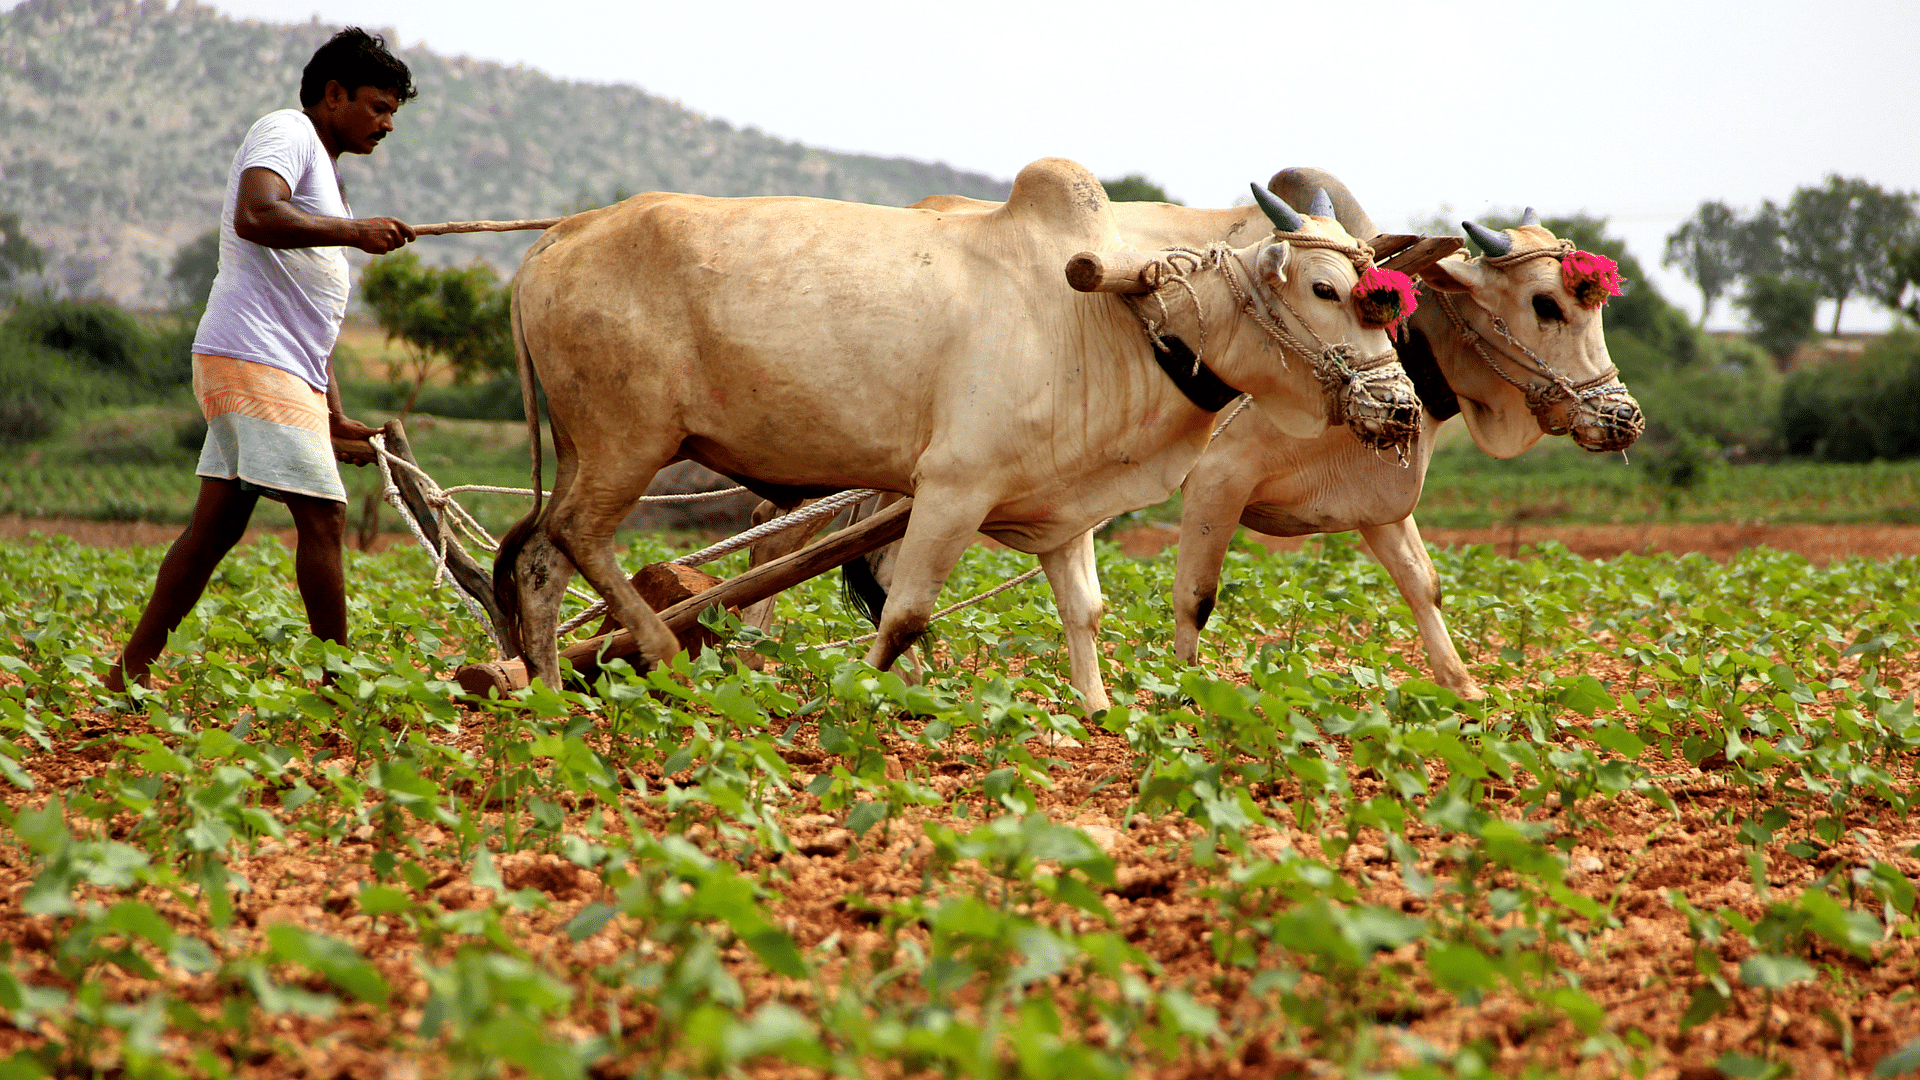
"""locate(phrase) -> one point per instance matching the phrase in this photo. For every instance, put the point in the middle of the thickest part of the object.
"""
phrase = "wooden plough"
(683, 592)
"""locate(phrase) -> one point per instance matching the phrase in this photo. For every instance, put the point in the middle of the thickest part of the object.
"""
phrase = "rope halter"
(1371, 395)
(1602, 414)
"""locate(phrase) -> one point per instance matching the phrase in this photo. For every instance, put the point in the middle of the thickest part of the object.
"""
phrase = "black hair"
(354, 58)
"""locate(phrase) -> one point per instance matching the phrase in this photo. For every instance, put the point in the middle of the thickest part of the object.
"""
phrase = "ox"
(802, 346)
(1500, 340)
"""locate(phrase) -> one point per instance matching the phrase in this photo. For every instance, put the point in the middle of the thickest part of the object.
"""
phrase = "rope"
(391, 492)
(443, 228)
(1541, 398)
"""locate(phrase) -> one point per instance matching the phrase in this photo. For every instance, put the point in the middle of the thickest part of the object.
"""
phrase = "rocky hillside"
(119, 119)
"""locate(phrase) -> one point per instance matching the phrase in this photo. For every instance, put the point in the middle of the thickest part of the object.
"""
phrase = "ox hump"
(1060, 195)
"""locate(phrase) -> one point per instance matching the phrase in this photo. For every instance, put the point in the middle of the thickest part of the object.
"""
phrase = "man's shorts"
(266, 428)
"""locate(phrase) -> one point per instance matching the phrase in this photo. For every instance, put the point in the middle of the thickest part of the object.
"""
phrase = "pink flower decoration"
(1384, 299)
(1591, 278)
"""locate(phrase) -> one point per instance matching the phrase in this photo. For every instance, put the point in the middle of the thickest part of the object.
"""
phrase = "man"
(263, 357)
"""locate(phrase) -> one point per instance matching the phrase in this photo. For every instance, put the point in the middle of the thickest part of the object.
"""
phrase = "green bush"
(1781, 311)
(1858, 411)
(61, 358)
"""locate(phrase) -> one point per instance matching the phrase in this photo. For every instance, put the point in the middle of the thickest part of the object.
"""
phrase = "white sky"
(1633, 109)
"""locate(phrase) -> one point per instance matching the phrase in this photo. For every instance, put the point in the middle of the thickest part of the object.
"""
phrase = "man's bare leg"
(318, 566)
(220, 517)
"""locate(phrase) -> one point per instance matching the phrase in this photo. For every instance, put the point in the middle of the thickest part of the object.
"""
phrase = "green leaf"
(384, 900)
(338, 961)
(1706, 1004)
(866, 815)
(776, 950)
(1460, 969)
(1747, 1067)
(1772, 972)
(1901, 1062)
(1619, 740)
(590, 920)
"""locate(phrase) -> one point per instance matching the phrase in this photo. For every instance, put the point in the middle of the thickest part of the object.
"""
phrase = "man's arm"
(265, 214)
(344, 428)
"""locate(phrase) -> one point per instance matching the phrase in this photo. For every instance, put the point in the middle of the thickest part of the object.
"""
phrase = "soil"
(833, 891)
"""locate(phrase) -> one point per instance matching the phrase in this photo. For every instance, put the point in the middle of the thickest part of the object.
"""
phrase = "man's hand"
(382, 234)
(350, 440)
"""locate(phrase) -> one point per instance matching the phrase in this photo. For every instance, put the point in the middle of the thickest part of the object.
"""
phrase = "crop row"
(1304, 851)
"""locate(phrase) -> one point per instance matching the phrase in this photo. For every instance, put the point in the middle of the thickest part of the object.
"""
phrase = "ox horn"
(1529, 216)
(1282, 215)
(1322, 204)
(1488, 241)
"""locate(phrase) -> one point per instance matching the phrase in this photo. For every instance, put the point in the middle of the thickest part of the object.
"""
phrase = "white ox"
(1558, 379)
(803, 346)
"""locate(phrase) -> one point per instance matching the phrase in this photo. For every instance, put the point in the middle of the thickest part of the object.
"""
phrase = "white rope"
(826, 507)
(391, 492)
(684, 497)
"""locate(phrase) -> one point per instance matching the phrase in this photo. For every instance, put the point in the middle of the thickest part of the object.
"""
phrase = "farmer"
(263, 357)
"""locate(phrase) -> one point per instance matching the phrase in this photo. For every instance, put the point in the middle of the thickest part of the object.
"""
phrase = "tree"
(449, 321)
(1838, 236)
(18, 255)
(1136, 188)
(1780, 311)
(194, 268)
(1900, 291)
(1706, 248)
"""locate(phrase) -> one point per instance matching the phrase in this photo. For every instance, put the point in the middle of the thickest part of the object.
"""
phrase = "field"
(1675, 841)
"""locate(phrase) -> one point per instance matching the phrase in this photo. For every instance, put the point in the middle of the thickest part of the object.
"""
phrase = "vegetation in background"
(483, 140)
(1856, 411)
(1137, 188)
(190, 279)
(1844, 238)
(452, 323)
(18, 255)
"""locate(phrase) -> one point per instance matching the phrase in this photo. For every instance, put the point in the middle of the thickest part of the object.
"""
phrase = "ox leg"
(543, 572)
(1210, 512)
(1076, 593)
(942, 526)
(882, 562)
(581, 524)
(1399, 549)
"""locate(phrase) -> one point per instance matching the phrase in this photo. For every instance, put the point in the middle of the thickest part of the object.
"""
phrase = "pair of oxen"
(805, 346)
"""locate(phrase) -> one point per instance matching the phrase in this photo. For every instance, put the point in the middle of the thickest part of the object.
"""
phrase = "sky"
(1635, 110)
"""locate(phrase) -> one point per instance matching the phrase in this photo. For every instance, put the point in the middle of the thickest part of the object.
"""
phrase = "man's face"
(362, 117)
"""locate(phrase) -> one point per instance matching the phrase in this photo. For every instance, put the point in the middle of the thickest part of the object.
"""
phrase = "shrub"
(1858, 411)
(1780, 310)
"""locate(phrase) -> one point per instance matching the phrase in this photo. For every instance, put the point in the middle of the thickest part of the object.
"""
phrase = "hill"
(119, 119)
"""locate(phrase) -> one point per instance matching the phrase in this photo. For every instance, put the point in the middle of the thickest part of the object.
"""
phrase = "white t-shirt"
(280, 306)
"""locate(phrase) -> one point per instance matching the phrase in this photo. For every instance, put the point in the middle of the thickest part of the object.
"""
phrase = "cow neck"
(1183, 364)
(1429, 380)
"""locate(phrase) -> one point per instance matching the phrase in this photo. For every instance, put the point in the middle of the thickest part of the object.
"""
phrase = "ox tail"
(862, 590)
(506, 582)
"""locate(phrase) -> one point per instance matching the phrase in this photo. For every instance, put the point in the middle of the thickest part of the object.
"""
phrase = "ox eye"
(1547, 310)
(1325, 291)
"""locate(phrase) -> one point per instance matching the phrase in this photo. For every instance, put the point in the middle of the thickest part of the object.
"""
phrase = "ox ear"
(1270, 266)
(1455, 275)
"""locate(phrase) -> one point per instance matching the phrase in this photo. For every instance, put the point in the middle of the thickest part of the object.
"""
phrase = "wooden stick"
(1117, 271)
(751, 587)
(445, 227)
